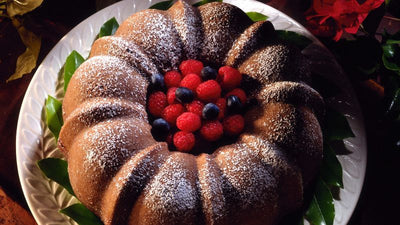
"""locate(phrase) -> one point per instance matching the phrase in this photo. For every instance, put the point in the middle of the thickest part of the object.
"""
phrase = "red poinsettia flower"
(329, 18)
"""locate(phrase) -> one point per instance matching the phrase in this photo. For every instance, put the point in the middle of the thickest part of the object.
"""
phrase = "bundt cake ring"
(121, 173)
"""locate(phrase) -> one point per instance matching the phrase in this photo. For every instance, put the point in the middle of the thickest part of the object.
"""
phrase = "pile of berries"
(196, 102)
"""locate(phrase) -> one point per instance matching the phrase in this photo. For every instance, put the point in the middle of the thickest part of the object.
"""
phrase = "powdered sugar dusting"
(222, 24)
(252, 38)
(248, 180)
(172, 194)
(98, 109)
(276, 62)
(268, 152)
(275, 121)
(293, 93)
(187, 22)
(210, 184)
(105, 76)
(111, 142)
(244, 175)
(155, 33)
(126, 50)
(288, 175)
(126, 186)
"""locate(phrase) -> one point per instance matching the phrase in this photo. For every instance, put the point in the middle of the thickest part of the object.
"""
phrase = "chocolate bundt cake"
(120, 172)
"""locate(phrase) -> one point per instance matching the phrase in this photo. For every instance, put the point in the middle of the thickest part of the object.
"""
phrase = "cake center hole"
(197, 108)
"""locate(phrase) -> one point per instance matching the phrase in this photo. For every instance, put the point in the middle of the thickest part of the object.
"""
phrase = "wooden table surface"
(380, 198)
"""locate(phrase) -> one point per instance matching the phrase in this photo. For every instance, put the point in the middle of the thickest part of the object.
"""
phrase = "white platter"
(34, 141)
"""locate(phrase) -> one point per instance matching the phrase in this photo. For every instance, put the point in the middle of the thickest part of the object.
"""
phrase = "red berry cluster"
(196, 101)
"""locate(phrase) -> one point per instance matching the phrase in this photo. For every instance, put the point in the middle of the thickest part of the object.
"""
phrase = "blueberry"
(208, 73)
(210, 111)
(157, 81)
(160, 128)
(233, 104)
(184, 95)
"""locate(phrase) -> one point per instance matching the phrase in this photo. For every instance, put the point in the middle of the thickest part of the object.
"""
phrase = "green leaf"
(57, 170)
(394, 107)
(336, 126)
(82, 215)
(74, 60)
(331, 169)
(205, 2)
(54, 115)
(164, 5)
(360, 57)
(391, 41)
(389, 50)
(109, 27)
(391, 56)
(255, 16)
(321, 210)
(293, 38)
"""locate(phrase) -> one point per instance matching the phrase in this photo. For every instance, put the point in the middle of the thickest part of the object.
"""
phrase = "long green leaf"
(57, 170)
(109, 27)
(331, 170)
(321, 210)
(74, 60)
(205, 2)
(54, 118)
(164, 5)
(293, 38)
(336, 126)
(82, 215)
(255, 16)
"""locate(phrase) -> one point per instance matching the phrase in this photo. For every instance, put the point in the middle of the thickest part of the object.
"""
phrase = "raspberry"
(208, 91)
(212, 130)
(191, 66)
(191, 81)
(188, 121)
(195, 107)
(171, 98)
(229, 77)
(221, 103)
(172, 78)
(233, 125)
(171, 113)
(156, 103)
(184, 141)
(239, 93)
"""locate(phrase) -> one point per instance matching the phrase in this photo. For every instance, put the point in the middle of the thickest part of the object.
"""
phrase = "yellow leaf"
(26, 62)
(20, 7)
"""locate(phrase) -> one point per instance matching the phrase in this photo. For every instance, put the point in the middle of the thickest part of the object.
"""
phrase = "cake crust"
(121, 173)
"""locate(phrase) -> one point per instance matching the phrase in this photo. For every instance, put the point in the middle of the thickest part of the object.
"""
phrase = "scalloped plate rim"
(29, 95)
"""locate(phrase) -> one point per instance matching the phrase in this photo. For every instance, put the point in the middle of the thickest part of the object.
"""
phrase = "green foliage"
(54, 120)
(255, 16)
(336, 126)
(360, 57)
(202, 2)
(293, 38)
(57, 170)
(391, 55)
(331, 169)
(321, 210)
(164, 5)
(74, 60)
(109, 28)
(82, 215)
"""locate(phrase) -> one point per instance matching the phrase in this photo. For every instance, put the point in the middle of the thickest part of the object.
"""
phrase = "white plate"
(34, 141)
